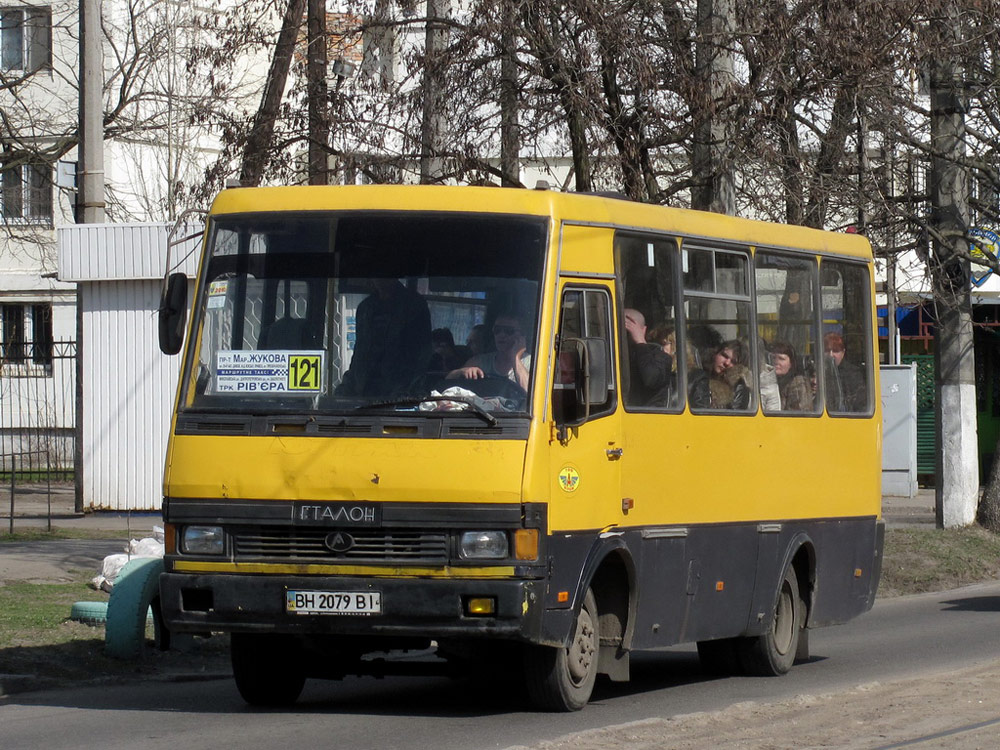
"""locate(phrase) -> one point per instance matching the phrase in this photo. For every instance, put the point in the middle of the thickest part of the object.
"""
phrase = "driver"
(509, 360)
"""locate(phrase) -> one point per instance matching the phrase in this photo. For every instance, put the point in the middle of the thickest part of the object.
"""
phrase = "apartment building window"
(25, 39)
(26, 339)
(26, 193)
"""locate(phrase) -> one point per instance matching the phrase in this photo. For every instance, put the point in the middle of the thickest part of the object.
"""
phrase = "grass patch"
(920, 560)
(37, 638)
(33, 614)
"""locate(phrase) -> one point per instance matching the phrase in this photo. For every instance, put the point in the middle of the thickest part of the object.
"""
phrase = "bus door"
(586, 445)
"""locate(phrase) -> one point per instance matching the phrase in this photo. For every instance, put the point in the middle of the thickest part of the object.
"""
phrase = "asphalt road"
(900, 638)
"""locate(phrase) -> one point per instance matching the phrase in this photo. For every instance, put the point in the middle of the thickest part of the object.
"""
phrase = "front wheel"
(267, 668)
(562, 679)
(773, 652)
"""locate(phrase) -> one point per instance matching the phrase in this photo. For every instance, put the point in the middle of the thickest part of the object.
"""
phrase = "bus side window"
(648, 337)
(786, 325)
(583, 385)
(717, 334)
(847, 344)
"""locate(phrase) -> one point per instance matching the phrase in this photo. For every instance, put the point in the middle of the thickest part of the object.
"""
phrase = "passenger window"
(786, 323)
(847, 345)
(648, 327)
(718, 350)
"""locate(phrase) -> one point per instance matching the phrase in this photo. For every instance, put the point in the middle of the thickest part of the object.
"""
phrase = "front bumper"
(192, 602)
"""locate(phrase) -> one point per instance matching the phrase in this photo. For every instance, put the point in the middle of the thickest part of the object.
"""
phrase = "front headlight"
(203, 540)
(483, 545)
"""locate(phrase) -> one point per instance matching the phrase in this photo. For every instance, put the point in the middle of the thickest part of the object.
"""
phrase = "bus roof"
(569, 207)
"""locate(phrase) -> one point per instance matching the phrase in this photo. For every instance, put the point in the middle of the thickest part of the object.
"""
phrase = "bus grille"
(286, 543)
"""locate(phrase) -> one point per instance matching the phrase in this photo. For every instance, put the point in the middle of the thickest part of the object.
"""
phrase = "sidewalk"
(36, 506)
(903, 512)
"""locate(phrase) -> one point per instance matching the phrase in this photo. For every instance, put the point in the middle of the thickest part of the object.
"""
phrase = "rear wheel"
(267, 668)
(562, 679)
(773, 652)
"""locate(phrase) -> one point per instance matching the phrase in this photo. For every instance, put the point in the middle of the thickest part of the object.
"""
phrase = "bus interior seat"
(284, 333)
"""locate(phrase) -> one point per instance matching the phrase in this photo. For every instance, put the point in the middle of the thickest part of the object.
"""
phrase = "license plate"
(333, 602)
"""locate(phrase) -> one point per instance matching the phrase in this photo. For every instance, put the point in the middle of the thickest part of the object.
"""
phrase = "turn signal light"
(169, 539)
(479, 606)
(526, 544)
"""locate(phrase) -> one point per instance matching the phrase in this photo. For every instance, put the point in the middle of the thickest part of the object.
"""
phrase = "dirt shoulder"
(956, 710)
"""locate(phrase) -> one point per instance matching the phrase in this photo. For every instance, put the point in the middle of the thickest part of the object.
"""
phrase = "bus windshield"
(333, 312)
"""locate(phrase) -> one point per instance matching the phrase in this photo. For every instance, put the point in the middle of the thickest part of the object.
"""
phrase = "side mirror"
(173, 313)
(583, 373)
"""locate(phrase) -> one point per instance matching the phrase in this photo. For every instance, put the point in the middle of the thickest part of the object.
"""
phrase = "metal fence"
(38, 411)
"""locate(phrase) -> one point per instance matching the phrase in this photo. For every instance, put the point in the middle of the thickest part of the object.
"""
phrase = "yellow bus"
(532, 431)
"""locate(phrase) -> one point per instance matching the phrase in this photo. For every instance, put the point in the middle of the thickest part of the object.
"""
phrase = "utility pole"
(319, 104)
(431, 124)
(89, 186)
(510, 169)
(90, 159)
(955, 404)
(713, 173)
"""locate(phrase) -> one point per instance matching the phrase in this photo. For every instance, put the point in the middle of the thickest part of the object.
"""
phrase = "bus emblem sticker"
(569, 479)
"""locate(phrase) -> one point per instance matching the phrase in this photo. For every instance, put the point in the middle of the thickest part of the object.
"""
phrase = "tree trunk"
(548, 49)
(958, 470)
(319, 121)
(255, 152)
(988, 514)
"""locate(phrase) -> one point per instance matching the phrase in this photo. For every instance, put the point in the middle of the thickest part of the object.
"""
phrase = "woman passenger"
(729, 377)
(792, 386)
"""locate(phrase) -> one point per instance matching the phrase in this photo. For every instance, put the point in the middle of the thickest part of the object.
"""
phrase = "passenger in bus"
(699, 396)
(666, 338)
(446, 355)
(478, 341)
(649, 365)
(770, 395)
(792, 385)
(852, 379)
(729, 377)
(393, 344)
(509, 359)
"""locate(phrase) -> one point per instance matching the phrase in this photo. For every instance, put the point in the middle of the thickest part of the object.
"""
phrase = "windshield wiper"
(414, 401)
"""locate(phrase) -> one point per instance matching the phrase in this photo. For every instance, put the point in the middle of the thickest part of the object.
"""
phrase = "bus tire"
(267, 668)
(562, 679)
(773, 652)
(721, 657)
(136, 586)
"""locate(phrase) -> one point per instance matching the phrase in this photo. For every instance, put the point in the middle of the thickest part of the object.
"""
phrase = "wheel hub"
(581, 651)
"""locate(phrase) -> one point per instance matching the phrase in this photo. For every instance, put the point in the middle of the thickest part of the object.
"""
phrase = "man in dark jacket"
(393, 343)
(650, 381)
